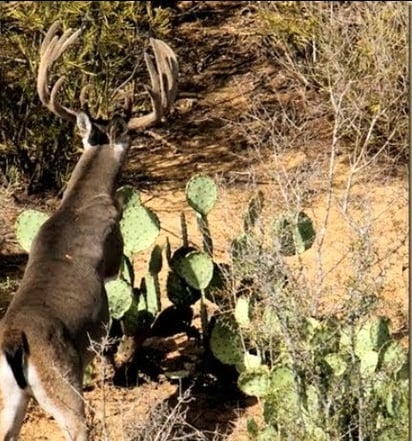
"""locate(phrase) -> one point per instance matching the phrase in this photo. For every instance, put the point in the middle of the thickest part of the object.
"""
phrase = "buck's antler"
(163, 78)
(51, 49)
(164, 84)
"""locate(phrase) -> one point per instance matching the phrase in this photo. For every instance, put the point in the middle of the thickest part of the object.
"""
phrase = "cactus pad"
(294, 232)
(226, 343)
(201, 194)
(242, 312)
(196, 268)
(371, 336)
(255, 382)
(156, 261)
(27, 225)
(150, 297)
(179, 255)
(179, 292)
(128, 197)
(336, 363)
(140, 228)
(120, 296)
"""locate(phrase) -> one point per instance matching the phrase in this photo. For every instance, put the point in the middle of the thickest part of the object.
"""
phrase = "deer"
(61, 304)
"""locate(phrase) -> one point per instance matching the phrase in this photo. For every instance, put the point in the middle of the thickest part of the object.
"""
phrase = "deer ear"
(85, 127)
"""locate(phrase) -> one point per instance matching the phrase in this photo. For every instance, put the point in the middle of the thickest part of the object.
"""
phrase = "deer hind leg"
(56, 384)
(14, 401)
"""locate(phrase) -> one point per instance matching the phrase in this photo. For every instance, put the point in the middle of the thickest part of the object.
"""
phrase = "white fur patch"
(14, 402)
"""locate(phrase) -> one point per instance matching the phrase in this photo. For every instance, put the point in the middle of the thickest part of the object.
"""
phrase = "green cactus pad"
(251, 361)
(283, 379)
(336, 363)
(269, 433)
(393, 356)
(371, 336)
(131, 319)
(201, 194)
(179, 292)
(156, 261)
(242, 312)
(140, 228)
(368, 363)
(294, 233)
(149, 295)
(27, 226)
(197, 269)
(179, 255)
(255, 382)
(284, 391)
(128, 197)
(120, 296)
(225, 342)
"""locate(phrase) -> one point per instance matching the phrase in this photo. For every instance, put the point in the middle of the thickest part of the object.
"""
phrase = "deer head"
(162, 90)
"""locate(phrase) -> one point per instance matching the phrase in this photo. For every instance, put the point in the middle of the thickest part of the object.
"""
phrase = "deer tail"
(16, 348)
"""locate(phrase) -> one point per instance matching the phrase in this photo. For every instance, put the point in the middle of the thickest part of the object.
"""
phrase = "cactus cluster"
(363, 355)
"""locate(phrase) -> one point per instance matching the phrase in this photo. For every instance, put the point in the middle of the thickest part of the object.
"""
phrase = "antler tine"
(51, 49)
(169, 68)
(163, 87)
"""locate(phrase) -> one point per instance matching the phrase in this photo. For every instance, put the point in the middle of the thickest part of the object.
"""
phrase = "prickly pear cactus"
(225, 342)
(242, 312)
(201, 194)
(128, 197)
(294, 233)
(284, 397)
(120, 296)
(27, 226)
(336, 363)
(255, 382)
(150, 295)
(179, 292)
(393, 357)
(372, 335)
(178, 256)
(140, 228)
(156, 260)
(131, 320)
(197, 269)
(369, 339)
